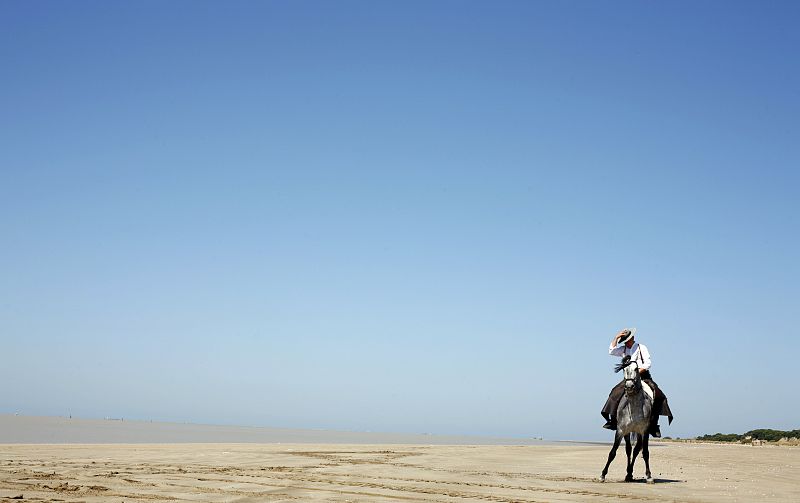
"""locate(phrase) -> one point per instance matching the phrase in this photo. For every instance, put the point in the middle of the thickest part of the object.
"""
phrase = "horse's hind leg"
(611, 455)
(628, 447)
(636, 449)
(627, 452)
(646, 456)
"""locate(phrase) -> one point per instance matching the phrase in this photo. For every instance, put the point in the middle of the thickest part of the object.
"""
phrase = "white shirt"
(637, 352)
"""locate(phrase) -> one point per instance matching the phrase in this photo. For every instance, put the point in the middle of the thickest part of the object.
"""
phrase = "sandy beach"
(342, 472)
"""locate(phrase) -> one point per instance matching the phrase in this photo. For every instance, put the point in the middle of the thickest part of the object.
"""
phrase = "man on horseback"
(625, 345)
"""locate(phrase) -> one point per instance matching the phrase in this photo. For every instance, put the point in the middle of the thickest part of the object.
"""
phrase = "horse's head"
(633, 382)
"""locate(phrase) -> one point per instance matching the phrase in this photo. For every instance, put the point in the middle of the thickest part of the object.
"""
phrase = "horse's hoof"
(651, 480)
(629, 478)
(601, 479)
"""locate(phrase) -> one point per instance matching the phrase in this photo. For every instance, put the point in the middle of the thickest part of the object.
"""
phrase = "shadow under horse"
(633, 421)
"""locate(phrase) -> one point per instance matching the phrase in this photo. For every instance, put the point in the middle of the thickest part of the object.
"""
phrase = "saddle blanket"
(647, 389)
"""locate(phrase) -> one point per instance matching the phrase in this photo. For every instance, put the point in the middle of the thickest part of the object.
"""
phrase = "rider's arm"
(614, 349)
(645, 356)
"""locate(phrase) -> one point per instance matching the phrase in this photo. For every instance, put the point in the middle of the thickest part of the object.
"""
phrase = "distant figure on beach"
(624, 344)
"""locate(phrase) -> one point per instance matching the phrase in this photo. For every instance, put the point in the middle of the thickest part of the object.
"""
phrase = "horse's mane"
(625, 362)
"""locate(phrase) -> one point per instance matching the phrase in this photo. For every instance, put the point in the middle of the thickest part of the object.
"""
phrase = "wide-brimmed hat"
(626, 338)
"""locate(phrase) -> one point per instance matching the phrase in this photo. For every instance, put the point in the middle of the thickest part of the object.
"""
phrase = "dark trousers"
(610, 408)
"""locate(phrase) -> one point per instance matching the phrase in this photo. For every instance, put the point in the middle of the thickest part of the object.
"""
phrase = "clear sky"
(399, 216)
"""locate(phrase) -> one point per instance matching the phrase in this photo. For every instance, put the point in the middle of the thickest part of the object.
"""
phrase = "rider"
(625, 345)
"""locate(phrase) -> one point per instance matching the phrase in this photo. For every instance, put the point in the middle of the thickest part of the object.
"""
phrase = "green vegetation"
(761, 434)
(722, 437)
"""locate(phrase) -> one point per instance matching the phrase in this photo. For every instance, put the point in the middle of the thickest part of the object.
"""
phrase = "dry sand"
(71, 460)
(390, 473)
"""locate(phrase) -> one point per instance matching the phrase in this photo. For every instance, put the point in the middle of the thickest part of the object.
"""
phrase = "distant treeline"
(763, 434)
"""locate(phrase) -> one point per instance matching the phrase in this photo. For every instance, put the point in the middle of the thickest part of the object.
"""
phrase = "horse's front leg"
(646, 456)
(636, 449)
(611, 455)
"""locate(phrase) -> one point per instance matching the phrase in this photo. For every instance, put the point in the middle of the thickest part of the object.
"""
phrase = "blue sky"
(398, 216)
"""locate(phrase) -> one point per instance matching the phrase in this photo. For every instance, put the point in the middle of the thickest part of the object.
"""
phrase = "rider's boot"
(611, 423)
(655, 430)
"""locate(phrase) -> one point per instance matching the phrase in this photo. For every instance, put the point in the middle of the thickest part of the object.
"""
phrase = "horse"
(633, 419)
